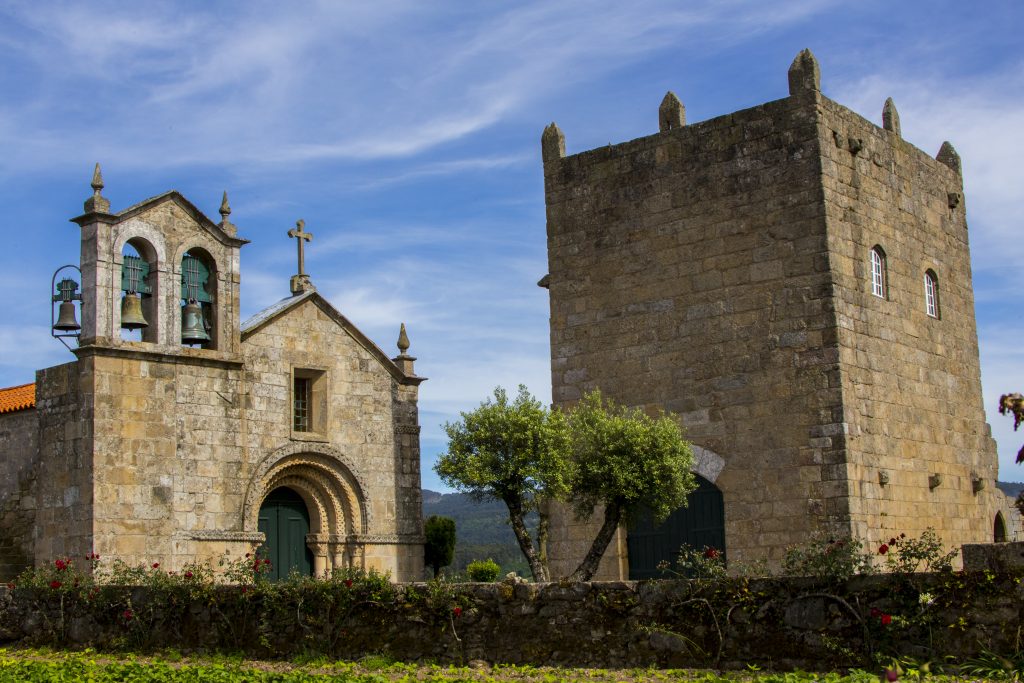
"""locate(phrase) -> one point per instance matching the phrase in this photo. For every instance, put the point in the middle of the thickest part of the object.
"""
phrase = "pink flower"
(883, 549)
(55, 584)
(457, 611)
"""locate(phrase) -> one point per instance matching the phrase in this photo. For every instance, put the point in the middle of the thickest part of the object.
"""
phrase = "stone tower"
(795, 283)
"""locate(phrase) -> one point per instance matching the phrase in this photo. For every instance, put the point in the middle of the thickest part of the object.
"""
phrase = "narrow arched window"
(878, 276)
(931, 294)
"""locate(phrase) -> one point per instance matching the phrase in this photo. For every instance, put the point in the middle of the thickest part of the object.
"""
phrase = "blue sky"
(407, 135)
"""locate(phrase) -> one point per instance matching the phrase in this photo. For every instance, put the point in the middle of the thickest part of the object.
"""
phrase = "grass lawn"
(25, 666)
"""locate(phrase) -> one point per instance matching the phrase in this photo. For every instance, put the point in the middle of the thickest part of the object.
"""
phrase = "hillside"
(482, 530)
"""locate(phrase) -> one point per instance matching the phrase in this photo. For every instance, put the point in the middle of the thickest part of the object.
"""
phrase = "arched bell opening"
(138, 309)
(999, 529)
(199, 299)
(284, 520)
(700, 524)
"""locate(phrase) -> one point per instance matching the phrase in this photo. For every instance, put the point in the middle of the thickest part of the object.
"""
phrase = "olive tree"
(624, 460)
(515, 451)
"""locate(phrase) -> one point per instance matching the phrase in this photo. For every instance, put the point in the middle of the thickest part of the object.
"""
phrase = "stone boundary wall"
(771, 623)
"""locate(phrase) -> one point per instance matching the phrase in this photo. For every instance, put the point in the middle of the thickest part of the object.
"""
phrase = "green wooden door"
(285, 521)
(701, 523)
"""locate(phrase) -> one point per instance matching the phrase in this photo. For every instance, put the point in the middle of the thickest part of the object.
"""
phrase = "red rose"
(245, 589)
(886, 619)
(127, 614)
(891, 676)
(156, 565)
(457, 611)
(883, 549)
(711, 553)
(348, 583)
(61, 565)
(10, 586)
(55, 585)
(875, 612)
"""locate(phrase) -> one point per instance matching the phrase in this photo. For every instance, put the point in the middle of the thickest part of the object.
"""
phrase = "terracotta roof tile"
(17, 398)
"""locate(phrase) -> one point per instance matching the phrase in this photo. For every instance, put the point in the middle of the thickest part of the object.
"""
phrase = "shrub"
(691, 563)
(483, 571)
(832, 559)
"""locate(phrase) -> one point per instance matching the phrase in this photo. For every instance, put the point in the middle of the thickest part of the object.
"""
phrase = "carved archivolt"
(333, 493)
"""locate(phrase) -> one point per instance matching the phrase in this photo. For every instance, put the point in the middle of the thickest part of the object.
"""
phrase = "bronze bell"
(131, 312)
(66, 321)
(193, 329)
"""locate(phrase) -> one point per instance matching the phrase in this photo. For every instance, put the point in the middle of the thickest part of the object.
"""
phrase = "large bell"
(193, 329)
(131, 312)
(66, 321)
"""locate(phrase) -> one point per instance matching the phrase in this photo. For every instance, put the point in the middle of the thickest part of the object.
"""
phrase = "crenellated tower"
(793, 281)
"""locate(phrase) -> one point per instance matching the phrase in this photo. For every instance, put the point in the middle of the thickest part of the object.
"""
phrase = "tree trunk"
(515, 515)
(588, 567)
(542, 538)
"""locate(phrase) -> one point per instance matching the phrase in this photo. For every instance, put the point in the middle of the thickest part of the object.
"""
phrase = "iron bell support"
(66, 323)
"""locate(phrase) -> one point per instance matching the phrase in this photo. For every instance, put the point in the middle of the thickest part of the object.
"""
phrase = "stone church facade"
(292, 430)
(795, 283)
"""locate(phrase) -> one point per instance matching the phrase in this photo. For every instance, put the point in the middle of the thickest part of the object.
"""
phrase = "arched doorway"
(701, 523)
(999, 529)
(284, 519)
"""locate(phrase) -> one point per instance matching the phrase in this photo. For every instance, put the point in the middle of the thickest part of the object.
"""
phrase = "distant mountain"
(1011, 488)
(482, 530)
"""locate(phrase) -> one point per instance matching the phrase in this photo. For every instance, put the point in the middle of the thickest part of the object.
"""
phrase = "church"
(180, 434)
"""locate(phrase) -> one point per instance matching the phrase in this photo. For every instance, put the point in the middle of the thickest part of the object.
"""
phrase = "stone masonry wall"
(367, 420)
(911, 382)
(769, 623)
(689, 272)
(64, 480)
(19, 451)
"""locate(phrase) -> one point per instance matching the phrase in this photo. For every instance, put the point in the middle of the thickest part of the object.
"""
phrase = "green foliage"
(514, 451)
(484, 530)
(506, 450)
(691, 563)
(440, 542)
(828, 558)
(906, 555)
(483, 571)
(625, 458)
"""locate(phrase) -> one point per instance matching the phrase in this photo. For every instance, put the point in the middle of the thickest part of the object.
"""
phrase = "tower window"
(931, 294)
(878, 275)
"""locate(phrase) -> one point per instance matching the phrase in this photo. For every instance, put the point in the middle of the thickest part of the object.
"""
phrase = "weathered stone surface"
(770, 623)
(151, 451)
(721, 271)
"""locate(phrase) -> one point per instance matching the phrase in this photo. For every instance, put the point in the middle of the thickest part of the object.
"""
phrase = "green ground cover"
(29, 666)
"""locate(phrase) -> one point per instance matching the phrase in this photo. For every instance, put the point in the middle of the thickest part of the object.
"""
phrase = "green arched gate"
(285, 521)
(701, 523)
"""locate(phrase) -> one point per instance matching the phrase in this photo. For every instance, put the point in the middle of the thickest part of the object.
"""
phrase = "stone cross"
(297, 232)
(300, 282)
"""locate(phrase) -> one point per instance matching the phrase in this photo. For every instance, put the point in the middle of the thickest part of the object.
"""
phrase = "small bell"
(193, 329)
(66, 321)
(131, 312)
